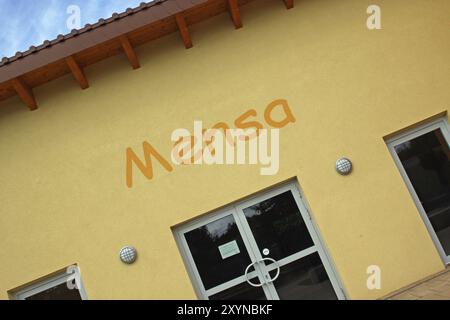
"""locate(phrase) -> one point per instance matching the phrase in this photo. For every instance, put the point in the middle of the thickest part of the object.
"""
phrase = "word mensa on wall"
(277, 115)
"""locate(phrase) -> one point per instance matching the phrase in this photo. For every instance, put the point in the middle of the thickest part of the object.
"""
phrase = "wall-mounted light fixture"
(344, 166)
(128, 254)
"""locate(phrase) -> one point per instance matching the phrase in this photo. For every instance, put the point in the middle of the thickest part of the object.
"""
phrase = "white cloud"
(24, 22)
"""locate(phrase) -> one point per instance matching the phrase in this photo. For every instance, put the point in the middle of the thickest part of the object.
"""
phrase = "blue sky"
(29, 22)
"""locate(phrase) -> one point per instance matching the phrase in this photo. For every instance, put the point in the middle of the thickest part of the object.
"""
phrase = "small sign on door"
(229, 249)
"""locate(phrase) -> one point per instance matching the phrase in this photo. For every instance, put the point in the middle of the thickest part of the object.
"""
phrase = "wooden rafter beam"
(25, 93)
(77, 72)
(289, 4)
(235, 14)
(184, 31)
(129, 52)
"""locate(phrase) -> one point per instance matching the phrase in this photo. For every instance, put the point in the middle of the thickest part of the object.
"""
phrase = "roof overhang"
(119, 34)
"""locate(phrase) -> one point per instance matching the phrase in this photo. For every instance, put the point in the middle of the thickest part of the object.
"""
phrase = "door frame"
(236, 210)
(306, 216)
(408, 135)
(201, 291)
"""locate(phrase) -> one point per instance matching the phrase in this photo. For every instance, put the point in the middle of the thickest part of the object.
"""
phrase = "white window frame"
(50, 282)
(442, 124)
(234, 209)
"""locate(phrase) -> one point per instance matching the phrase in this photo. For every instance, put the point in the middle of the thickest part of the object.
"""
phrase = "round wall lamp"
(128, 254)
(344, 166)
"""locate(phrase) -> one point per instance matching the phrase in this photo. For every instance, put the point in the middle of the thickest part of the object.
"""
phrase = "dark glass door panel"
(304, 279)
(277, 225)
(205, 244)
(242, 291)
(426, 160)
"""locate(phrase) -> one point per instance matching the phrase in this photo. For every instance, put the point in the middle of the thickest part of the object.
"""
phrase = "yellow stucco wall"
(63, 194)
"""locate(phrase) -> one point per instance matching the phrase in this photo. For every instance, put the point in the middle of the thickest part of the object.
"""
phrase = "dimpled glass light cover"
(128, 254)
(344, 166)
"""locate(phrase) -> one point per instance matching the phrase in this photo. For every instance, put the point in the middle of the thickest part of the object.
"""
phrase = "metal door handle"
(269, 280)
(256, 285)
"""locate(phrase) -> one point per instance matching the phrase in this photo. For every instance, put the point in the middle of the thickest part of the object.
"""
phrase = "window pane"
(277, 225)
(59, 292)
(426, 160)
(304, 279)
(242, 291)
(218, 265)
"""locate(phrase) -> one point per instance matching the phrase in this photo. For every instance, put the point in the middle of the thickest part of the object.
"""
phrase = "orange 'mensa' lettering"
(147, 168)
(289, 117)
(240, 124)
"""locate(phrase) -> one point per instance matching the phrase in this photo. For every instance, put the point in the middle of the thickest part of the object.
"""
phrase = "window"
(423, 157)
(66, 285)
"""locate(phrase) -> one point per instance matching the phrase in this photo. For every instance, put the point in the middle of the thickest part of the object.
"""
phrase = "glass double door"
(263, 248)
